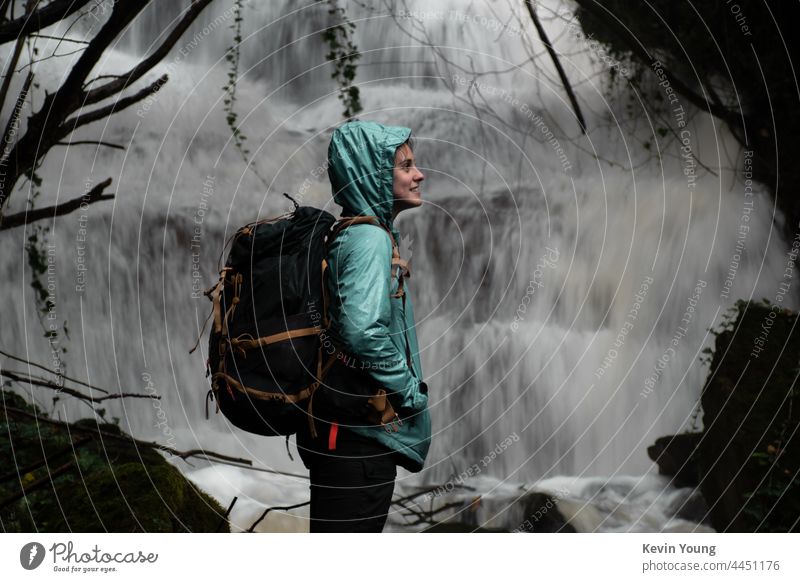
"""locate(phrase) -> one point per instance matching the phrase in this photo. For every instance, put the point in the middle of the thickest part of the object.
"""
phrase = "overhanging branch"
(42, 18)
(126, 79)
(713, 106)
(96, 194)
(71, 125)
(201, 453)
(564, 80)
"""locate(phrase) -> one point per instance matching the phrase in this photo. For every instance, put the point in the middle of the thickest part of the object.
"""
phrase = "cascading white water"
(528, 264)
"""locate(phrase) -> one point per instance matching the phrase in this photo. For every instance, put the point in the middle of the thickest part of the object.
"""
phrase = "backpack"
(267, 351)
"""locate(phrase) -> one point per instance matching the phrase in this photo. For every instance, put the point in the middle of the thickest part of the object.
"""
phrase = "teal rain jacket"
(366, 322)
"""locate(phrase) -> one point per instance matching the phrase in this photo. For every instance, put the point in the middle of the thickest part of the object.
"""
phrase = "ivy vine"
(344, 54)
(232, 55)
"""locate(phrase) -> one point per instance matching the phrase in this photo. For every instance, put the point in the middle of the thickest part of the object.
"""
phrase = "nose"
(420, 176)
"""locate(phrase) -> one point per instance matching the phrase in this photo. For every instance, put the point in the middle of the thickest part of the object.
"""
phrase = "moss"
(748, 458)
(134, 498)
(112, 485)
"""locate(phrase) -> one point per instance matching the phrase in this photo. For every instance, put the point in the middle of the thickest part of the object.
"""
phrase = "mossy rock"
(749, 455)
(137, 498)
(110, 484)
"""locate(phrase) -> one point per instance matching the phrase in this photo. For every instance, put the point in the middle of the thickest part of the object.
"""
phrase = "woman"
(353, 461)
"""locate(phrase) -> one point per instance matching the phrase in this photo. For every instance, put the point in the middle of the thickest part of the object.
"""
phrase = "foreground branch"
(71, 125)
(16, 377)
(564, 81)
(126, 79)
(48, 370)
(53, 12)
(634, 44)
(96, 194)
(268, 509)
(200, 453)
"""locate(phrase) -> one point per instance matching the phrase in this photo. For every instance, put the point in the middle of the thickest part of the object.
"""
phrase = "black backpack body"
(265, 357)
(268, 351)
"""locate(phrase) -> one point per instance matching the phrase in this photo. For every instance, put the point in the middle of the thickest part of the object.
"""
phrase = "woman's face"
(407, 178)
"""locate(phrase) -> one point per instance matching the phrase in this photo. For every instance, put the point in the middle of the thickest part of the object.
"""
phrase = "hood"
(360, 168)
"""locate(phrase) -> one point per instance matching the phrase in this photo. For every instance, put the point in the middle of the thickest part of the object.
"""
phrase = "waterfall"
(562, 301)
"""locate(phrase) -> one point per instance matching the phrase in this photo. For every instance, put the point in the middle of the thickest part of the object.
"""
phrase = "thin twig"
(53, 12)
(126, 79)
(63, 389)
(35, 365)
(421, 518)
(201, 453)
(227, 513)
(61, 38)
(266, 511)
(89, 142)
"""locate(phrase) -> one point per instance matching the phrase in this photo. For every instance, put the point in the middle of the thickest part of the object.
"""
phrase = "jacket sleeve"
(362, 283)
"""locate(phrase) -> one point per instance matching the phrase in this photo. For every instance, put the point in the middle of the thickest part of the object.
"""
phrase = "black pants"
(352, 479)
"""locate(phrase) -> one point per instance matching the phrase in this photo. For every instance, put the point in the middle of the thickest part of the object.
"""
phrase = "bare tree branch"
(96, 194)
(3, 7)
(60, 38)
(42, 18)
(126, 79)
(71, 125)
(268, 509)
(51, 124)
(17, 377)
(13, 119)
(91, 142)
(227, 513)
(12, 63)
(46, 369)
(633, 44)
(564, 80)
(208, 455)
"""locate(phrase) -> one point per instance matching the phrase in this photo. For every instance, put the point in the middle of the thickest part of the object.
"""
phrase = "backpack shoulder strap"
(397, 261)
